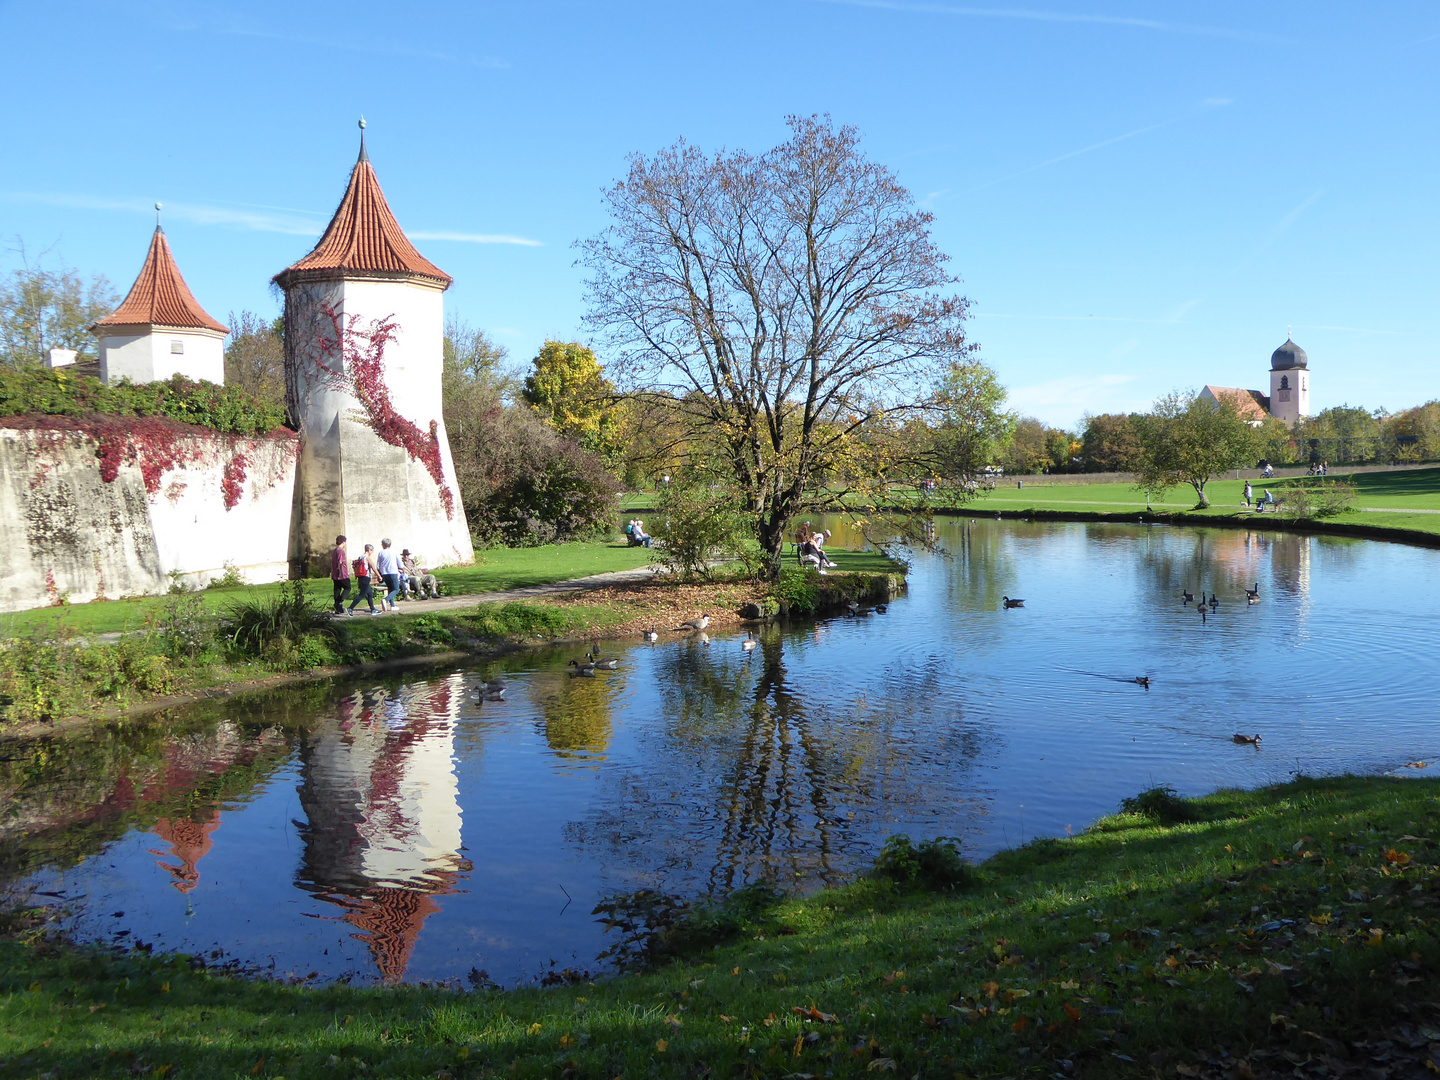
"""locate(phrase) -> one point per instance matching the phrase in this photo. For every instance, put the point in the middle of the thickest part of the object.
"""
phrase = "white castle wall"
(351, 482)
(65, 530)
(149, 356)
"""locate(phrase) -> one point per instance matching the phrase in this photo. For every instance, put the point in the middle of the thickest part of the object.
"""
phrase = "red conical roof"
(363, 238)
(160, 296)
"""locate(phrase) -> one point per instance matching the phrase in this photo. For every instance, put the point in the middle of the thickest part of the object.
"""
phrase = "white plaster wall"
(1299, 403)
(93, 539)
(146, 357)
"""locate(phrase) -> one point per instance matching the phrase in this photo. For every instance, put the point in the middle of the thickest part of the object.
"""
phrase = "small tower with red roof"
(375, 459)
(160, 329)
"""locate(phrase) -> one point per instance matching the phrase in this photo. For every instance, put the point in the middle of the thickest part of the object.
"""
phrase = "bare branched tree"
(790, 306)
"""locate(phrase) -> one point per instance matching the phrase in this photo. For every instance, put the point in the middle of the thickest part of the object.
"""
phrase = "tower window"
(176, 345)
(1284, 382)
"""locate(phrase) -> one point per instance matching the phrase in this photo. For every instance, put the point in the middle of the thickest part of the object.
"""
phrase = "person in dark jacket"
(340, 574)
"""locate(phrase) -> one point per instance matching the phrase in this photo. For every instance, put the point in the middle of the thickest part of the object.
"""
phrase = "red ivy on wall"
(362, 353)
(232, 481)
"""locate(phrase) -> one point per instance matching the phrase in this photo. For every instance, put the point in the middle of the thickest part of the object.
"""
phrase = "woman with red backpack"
(365, 574)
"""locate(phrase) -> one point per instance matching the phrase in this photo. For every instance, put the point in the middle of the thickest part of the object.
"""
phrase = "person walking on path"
(364, 568)
(340, 574)
(388, 564)
(1249, 492)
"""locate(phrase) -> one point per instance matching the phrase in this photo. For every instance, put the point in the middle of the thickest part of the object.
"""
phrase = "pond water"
(407, 830)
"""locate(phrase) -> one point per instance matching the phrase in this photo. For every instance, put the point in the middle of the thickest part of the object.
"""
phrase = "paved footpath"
(527, 592)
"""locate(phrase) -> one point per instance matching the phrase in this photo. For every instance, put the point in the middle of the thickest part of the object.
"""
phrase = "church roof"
(1288, 356)
(1248, 404)
(160, 296)
(363, 238)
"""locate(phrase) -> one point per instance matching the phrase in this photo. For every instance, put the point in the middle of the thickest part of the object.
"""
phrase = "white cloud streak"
(195, 213)
(1032, 15)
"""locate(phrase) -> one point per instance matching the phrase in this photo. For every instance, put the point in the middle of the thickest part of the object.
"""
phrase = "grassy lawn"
(1418, 490)
(493, 570)
(1285, 931)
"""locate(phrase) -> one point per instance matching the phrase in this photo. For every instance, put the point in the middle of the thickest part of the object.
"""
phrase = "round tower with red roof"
(364, 340)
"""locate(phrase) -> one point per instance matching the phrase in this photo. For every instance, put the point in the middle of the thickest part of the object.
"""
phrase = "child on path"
(1249, 492)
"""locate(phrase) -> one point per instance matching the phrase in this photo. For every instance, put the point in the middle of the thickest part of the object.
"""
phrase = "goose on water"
(695, 624)
(749, 643)
(607, 665)
(1011, 603)
(880, 609)
(494, 687)
(650, 635)
(1250, 740)
(1253, 594)
(1186, 596)
(852, 606)
(586, 668)
(1143, 680)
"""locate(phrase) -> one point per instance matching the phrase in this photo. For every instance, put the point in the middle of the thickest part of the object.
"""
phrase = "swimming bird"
(1249, 599)
(494, 687)
(581, 669)
(1202, 607)
(695, 624)
(1254, 594)
(1007, 602)
(1214, 602)
(1186, 596)
(852, 606)
(1248, 740)
(650, 635)
(749, 643)
(1143, 680)
(880, 609)
(607, 665)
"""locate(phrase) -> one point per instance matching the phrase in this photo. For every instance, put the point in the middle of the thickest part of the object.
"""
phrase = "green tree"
(973, 428)
(255, 356)
(1342, 434)
(569, 388)
(1109, 443)
(1415, 433)
(1187, 439)
(43, 309)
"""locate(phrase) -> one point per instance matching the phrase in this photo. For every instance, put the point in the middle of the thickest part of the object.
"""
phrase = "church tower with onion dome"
(1289, 383)
(160, 329)
(364, 334)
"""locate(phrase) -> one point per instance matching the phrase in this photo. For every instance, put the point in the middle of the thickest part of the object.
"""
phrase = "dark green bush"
(1160, 804)
(274, 628)
(931, 864)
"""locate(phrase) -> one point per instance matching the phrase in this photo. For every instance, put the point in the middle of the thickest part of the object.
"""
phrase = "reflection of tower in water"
(383, 814)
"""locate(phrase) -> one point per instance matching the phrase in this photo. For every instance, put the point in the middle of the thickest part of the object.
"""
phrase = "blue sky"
(1138, 197)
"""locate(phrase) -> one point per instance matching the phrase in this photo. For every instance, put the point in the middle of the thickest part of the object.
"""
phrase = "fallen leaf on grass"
(799, 1044)
(1020, 1025)
(881, 1065)
(258, 1066)
(812, 1013)
(726, 1019)
(1398, 858)
(673, 1021)
(1072, 1012)
(990, 988)
(661, 1046)
(886, 980)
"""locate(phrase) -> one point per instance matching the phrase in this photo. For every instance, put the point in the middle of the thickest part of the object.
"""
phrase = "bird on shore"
(1008, 603)
(1186, 596)
(1248, 740)
(695, 624)
(650, 635)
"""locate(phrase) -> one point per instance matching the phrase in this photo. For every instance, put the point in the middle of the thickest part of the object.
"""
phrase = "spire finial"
(157, 216)
(363, 155)
(1290, 333)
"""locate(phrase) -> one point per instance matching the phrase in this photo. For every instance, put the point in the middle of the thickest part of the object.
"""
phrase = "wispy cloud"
(372, 47)
(919, 7)
(1279, 229)
(477, 238)
(198, 214)
(1075, 318)
(1183, 310)
(1073, 394)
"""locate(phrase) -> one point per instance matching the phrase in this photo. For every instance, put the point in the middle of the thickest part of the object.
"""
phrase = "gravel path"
(529, 592)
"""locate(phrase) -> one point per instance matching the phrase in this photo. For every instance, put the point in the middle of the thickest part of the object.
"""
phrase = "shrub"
(1160, 804)
(1318, 498)
(41, 391)
(273, 627)
(699, 527)
(931, 864)
(798, 588)
(232, 578)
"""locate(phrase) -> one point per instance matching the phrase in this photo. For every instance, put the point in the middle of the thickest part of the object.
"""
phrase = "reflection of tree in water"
(577, 713)
(380, 795)
(757, 780)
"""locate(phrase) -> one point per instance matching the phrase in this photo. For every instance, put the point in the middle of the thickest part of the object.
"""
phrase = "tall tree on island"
(1188, 439)
(785, 305)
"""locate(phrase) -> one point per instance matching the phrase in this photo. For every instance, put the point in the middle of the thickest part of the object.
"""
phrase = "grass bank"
(1288, 931)
(494, 570)
(1400, 502)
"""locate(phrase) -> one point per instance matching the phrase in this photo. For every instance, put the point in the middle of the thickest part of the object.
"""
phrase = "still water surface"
(407, 830)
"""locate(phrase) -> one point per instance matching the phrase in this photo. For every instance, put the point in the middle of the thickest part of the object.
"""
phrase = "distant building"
(160, 329)
(1289, 397)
